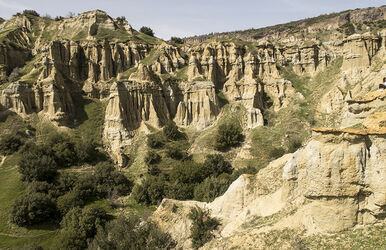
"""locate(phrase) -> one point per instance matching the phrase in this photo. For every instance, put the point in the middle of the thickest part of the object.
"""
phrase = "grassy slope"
(12, 236)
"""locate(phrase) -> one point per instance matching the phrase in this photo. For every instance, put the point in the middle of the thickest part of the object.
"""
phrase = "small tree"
(131, 233)
(37, 165)
(216, 165)
(80, 225)
(202, 225)
(228, 135)
(177, 40)
(32, 208)
(10, 143)
(146, 30)
(31, 12)
(155, 140)
(171, 131)
(152, 158)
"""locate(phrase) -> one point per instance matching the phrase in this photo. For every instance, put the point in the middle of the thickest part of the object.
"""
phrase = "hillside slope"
(303, 96)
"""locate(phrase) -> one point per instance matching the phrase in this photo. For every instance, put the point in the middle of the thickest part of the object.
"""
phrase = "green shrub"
(146, 30)
(69, 200)
(154, 170)
(32, 208)
(171, 132)
(131, 233)
(212, 187)
(155, 140)
(174, 152)
(294, 145)
(177, 40)
(151, 191)
(37, 165)
(188, 172)
(216, 165)
(10, 143)
(79, 226)
(202, 225)
(228, 135)
(275, 153)
(110, 182)
(31, 12)
(152, 158)
(61, 148)
(180, 191)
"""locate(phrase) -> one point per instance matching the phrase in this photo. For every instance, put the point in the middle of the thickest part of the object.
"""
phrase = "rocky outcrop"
(358, 52)
(19, 98)
(51, 98)
(130, 104)
(338, 176)
(356, 110)
(199, 106)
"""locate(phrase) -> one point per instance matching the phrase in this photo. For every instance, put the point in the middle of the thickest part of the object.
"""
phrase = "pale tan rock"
(199, 106)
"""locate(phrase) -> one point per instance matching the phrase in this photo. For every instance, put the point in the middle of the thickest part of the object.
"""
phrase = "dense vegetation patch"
(202, 227)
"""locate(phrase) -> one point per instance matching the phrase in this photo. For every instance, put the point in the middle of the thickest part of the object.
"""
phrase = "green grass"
(11, 187)
(91, 116)
(125, 75)
(109, 34)
(300, 82)
(181, 74)
(152, 57)
(4, 32)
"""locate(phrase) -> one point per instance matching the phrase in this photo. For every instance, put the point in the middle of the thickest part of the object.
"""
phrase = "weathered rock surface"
(338, 176)
(199, 106)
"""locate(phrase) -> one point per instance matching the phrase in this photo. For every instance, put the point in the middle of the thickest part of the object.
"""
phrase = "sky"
(184, 18)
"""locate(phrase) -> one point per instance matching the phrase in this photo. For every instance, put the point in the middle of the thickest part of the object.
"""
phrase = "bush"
(212, 188)
(275, 153)
(61, 148)
(155, 140)
(10, 143)
(30, 12)
(189, 172)
(76, 195)
(131, 233)
(146, 30)
(110, 182)
(70, 200)
(174, 152)
(202, 225)
(32, 208)
(177, 40)
(152, 158)
(171, 131)
(37, 165)
(216, 165)
(151, 191)
(41, 187)
(228, 135)
(79, 226)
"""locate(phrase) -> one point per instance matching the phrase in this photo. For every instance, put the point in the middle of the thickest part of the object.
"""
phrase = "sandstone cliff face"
(199, 105)
(131, 103)
(51, 98)
(338, 176)
(358, 51)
